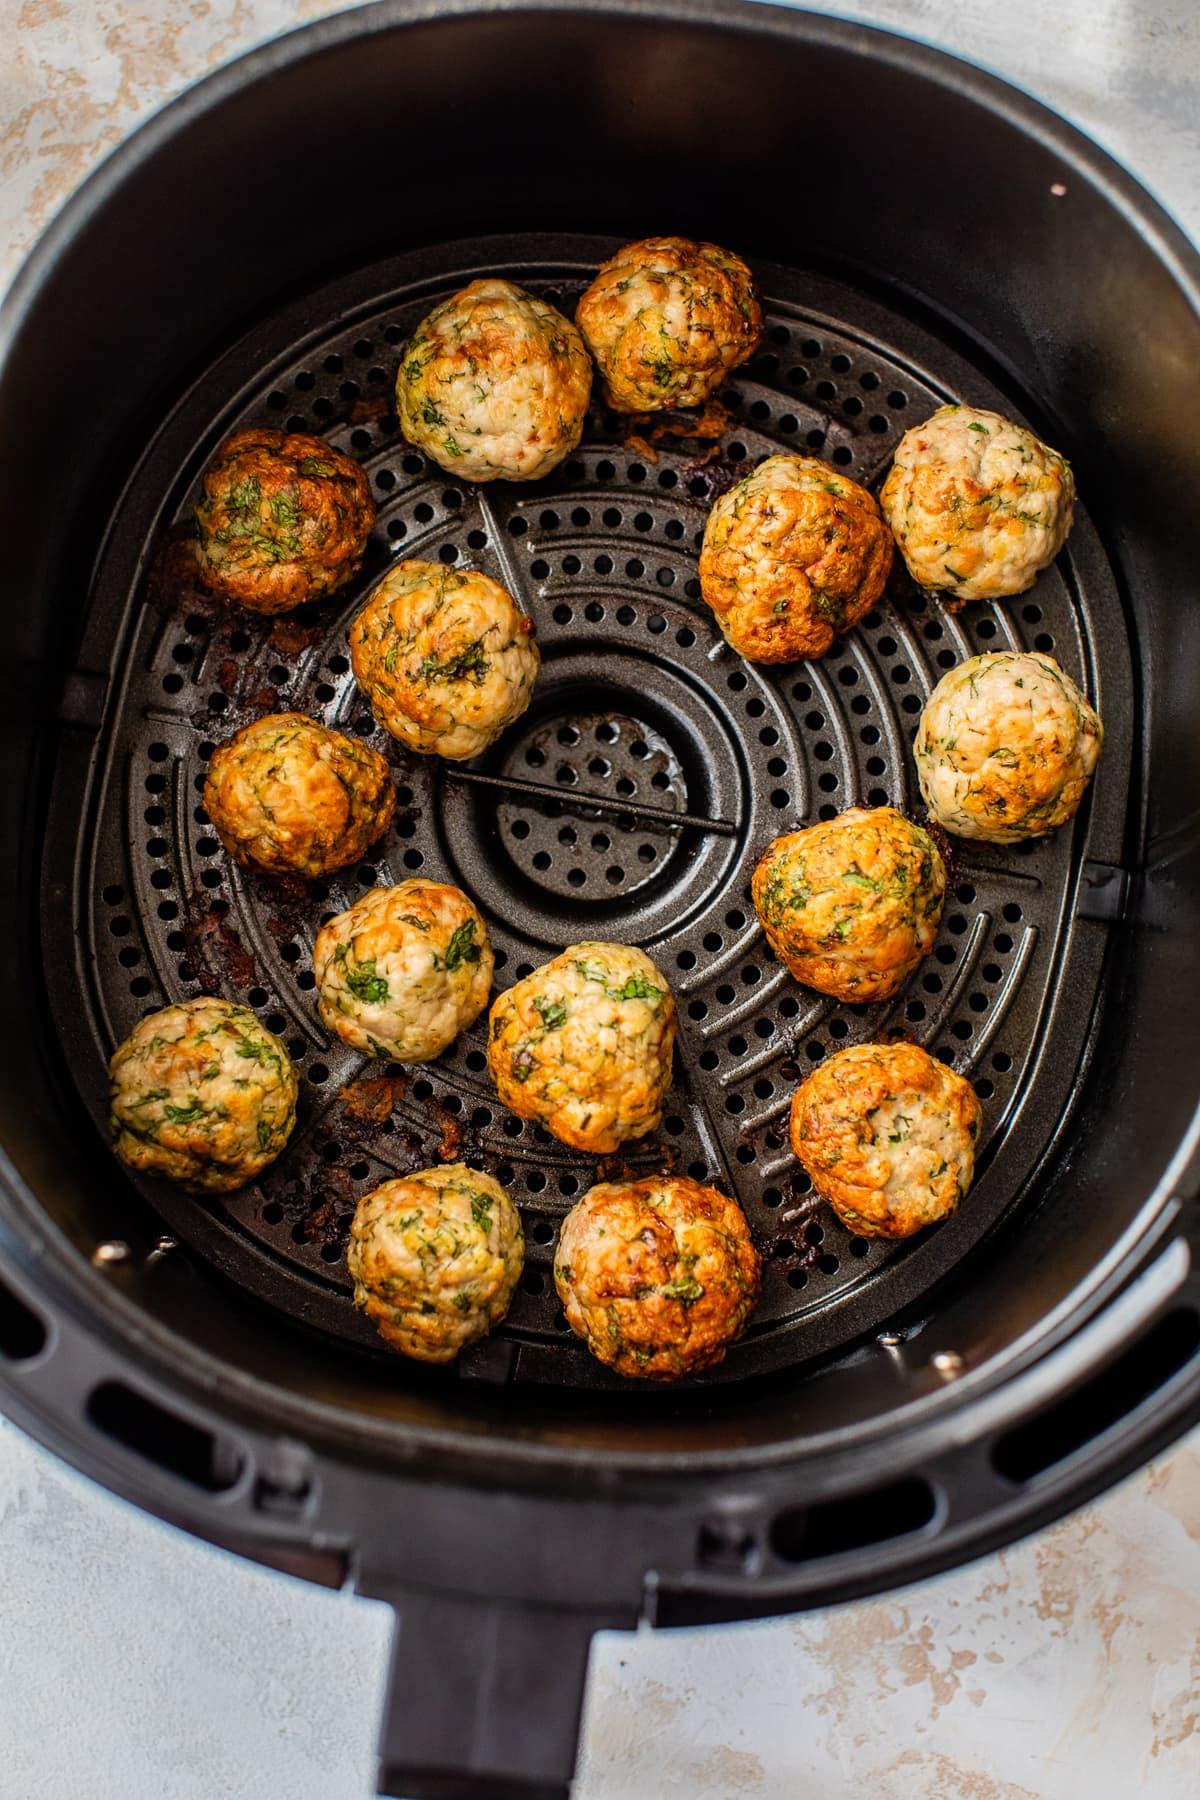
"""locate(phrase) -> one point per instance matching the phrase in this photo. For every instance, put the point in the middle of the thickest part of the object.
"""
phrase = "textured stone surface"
(136, 1664)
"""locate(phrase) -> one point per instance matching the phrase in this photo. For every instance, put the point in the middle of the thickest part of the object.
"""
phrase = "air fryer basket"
(893, 1408)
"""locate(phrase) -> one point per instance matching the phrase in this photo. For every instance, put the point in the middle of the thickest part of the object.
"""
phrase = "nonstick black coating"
(906, 213)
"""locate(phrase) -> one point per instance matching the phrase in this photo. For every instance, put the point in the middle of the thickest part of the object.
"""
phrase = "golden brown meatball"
(203, 1094)
(1006, 747)
(852, 904)
(404, 970)
(888, 1135)
(666, 320)
(793, 555)
(288, 795)
(583, 1045)
(658, 1277)
(978, 505)
(494, 384)
(435, 1258)
(446, 658)
(283, 518)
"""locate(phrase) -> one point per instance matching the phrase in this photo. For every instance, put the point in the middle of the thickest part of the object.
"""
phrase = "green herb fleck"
(185, 1115)
(244, 498)
(636, 987)
(462, 947)
(686, 1289)
(471, 661)
(361, 978)
(552, 1013)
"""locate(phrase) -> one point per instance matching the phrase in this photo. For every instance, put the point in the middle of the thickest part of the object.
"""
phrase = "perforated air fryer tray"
(642, 715)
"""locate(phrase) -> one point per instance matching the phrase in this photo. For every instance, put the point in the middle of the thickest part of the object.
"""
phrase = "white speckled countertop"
(136, 1664)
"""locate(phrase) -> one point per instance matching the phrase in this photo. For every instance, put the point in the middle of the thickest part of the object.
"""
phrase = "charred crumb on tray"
(285, 903)
(217, 956)
(368, 408)
(293, 633)
(370, 1099)
(450, 1146)
(715, 475)
(173, 581)
(332, 1189)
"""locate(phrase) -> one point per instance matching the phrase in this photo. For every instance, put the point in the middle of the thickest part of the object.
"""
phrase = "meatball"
(203, 1094)
(793, 555)
(283, 518)
(658, 1277)
(888, 1136)
(446, 658)
(666, 321)
(1006, 747)
(851, 905)
(404, 970)
(584, 1044)
(978, 505)
(288, 795)
(494, 384)
(434, 1258)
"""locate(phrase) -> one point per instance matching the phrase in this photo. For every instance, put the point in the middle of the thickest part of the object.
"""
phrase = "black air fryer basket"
(257, 254)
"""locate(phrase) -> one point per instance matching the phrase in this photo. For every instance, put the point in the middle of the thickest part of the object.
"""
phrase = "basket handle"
(483, 1699)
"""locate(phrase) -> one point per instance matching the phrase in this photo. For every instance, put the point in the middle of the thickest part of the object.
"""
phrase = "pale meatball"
(446, 658)
(404, 971)
(888, 1136)
(1006, 747)
(434, 1258)
(666, 320)
(584, 1044)
(851, 905)
(283, 518)
(793, 555)
(203, 1094)
(289, 796)
(978, 505)
(494, 384)
(658, 1277)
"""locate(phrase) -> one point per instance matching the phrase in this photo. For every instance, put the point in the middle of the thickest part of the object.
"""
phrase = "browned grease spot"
(370, 1099)
(705, 425)
(290, 635)
(336, 1197)
(217, 954)
(450, 1148)
(173, 582)
(369, 407)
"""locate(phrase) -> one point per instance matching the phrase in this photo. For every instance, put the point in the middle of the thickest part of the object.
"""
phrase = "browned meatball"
(584, 1045)
(203, 1094)
(852, 904)
(888, 1135)
(284, 518)
(288, 795)
(658, 1277)
(666, 320)
(793, 555)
